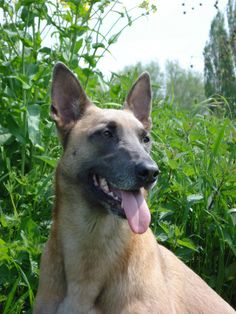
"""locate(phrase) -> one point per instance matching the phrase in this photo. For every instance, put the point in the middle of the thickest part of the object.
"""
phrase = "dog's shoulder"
(182, 281)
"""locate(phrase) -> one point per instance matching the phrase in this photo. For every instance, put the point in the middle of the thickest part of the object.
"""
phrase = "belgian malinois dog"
(101, 256)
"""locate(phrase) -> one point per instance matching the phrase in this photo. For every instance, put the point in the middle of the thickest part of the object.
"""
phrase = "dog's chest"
(91, 256)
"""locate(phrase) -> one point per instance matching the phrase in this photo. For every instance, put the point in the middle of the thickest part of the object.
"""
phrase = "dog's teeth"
(114, 196)
(104, 186)
(102, 182)
(95, 180)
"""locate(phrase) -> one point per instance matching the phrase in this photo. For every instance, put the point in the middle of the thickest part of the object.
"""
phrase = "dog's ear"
(69, 100)
(139, 100)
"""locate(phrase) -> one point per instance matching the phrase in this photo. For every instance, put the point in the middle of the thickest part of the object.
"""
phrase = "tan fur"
(93, 263)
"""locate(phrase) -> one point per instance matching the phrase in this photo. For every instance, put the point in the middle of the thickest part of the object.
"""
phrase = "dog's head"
(106, 151)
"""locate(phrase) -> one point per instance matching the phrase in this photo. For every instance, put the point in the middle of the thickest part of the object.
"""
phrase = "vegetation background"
(194, 137)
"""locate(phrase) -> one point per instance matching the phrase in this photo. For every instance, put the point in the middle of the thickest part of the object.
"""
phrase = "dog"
(101, 256)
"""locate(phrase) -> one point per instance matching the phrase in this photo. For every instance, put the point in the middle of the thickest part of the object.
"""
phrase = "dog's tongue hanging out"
(136, 210)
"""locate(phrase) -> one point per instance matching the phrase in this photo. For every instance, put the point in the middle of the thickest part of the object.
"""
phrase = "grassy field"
(195, 150)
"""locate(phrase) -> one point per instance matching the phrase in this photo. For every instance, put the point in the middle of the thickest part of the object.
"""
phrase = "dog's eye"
(107, 133)
(146, 139)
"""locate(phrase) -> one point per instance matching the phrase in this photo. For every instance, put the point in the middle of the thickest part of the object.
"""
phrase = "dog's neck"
(84, 221)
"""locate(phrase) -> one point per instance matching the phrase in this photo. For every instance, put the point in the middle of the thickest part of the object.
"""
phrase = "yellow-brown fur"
(93, 263)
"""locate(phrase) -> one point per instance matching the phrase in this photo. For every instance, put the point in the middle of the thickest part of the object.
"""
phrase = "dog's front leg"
(52, 287)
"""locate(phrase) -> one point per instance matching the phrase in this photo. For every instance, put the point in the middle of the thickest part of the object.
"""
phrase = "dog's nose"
(147, 172)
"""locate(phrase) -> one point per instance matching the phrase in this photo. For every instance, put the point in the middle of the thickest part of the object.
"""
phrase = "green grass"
(197, 188)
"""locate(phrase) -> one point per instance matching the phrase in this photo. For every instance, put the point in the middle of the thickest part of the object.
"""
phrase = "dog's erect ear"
(139, 100)
(69, 100)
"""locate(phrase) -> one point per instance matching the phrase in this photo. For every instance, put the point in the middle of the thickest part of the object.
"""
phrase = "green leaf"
(219, 139)
(113, 39)
(45, 50)
(98, 45)
(78, 45)
(11, 295)
(162, 237)
(230, 242)
(4, 135)
(194, 198)
(173, 164)
(15, 129)
(3, 250)
(26, 42)
(48, 160)
(187, 243)
(33, 119)
(217, 144)
(90, 59)
(24, 84)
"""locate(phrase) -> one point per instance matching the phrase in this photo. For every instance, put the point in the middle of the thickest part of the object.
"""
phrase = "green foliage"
(196, 190)
(190, 205)
(219, 66)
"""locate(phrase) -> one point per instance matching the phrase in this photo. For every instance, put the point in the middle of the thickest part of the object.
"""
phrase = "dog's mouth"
(123, 203)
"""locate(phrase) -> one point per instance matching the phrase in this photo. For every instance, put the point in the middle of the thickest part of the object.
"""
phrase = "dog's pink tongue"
(136, 210)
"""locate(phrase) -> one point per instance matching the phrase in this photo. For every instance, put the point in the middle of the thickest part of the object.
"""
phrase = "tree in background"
(157, 77)
(184, 87)
(219, 67)
(231, 18)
